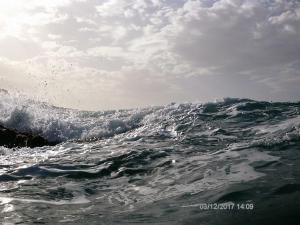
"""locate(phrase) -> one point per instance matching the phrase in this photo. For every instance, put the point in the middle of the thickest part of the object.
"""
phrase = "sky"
(110, 54)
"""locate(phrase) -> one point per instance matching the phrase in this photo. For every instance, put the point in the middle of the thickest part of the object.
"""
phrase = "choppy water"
(154, 165)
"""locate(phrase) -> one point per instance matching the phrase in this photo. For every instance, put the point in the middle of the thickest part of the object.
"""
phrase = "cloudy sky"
(103, 54)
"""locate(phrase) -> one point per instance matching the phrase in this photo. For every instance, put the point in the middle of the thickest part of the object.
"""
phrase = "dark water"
(156, 165)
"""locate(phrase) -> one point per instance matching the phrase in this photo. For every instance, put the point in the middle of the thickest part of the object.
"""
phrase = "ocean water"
(157, 165)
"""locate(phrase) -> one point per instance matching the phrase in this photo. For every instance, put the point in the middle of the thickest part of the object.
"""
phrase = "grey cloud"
(227, 38)
(157, 51)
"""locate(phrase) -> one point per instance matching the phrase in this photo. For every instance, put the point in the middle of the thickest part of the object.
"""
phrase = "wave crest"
(188, 122)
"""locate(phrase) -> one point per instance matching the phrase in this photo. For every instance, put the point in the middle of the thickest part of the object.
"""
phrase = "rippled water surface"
(154, 165)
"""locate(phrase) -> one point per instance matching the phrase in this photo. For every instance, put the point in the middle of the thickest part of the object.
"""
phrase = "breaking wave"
(271, 122)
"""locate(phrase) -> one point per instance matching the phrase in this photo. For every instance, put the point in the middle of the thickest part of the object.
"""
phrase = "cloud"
(155, 51)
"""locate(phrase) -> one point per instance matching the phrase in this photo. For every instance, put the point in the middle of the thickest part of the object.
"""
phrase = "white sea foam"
(60, 124)
(74, 201)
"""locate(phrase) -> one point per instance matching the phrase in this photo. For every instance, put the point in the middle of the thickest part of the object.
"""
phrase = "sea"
(233, 161)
